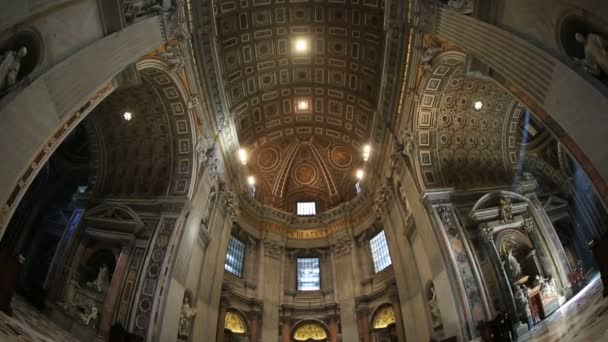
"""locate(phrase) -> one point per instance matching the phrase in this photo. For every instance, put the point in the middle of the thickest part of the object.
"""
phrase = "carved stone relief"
(272, 248)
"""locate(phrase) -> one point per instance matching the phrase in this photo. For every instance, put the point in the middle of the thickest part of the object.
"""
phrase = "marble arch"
(170, 88)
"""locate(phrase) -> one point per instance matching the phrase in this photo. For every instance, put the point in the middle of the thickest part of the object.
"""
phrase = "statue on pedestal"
(103, 279)
(596, 53)
(10, 63)
(547, 285)
(185, 318)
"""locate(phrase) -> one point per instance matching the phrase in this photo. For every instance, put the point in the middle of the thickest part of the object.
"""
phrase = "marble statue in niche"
(514, 266)
(434, 308)
(596, 53)
(103, 279)
(185, 318)
(10, 63)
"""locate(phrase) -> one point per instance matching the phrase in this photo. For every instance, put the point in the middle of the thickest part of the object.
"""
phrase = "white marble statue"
(513, 265)
(70, 295)
(10, 63)
(547, 285)
(185, 318)
(596, 53)
(172, 56)
(521, 296)
(429, 53)
(103, 279)
(92, 316)
(434, 308)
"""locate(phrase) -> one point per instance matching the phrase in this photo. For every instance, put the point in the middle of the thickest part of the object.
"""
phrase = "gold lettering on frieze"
(306, 233)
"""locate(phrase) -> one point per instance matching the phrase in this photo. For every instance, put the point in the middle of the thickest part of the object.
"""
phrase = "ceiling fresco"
(302, 82)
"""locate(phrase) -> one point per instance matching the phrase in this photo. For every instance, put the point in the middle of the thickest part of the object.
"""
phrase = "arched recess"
(453, 135)
(309, 331)
(152, 154)
(168, 101)
(235, 326)
(63, 98)
(383, 317)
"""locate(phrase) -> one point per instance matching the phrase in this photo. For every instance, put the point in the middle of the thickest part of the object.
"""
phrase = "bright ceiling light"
(367, 149)
(302, 104)
(243, 156)
(251, 180)
(359, 174)
(127, 116)
(301, 45)
(478, 105)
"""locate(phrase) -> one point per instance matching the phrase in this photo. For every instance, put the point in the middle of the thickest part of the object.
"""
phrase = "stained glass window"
(234, 257)
(309, 274)
(380, 254)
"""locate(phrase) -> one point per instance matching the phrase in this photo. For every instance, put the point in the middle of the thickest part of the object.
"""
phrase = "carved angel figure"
(91, 316)
(10, 63)
(434, 308)
(185, 318)
(596, 53)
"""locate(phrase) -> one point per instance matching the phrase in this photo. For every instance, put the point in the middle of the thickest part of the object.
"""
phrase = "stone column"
(254, 326)
(333, 329)
(364, 328)
(503, 279)
(221, 317)
(286, 329)
(113, 294)
(394, 296)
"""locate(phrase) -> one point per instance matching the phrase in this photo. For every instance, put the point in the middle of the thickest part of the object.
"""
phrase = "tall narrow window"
(309, 273)
(307, 208)
(234, 257)
(379, 248)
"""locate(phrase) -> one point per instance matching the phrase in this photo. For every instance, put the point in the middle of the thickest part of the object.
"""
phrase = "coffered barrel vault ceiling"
(303, 115)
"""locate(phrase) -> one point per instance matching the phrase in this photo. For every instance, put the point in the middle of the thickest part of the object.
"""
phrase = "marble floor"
(30, 325)
(584, 319)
